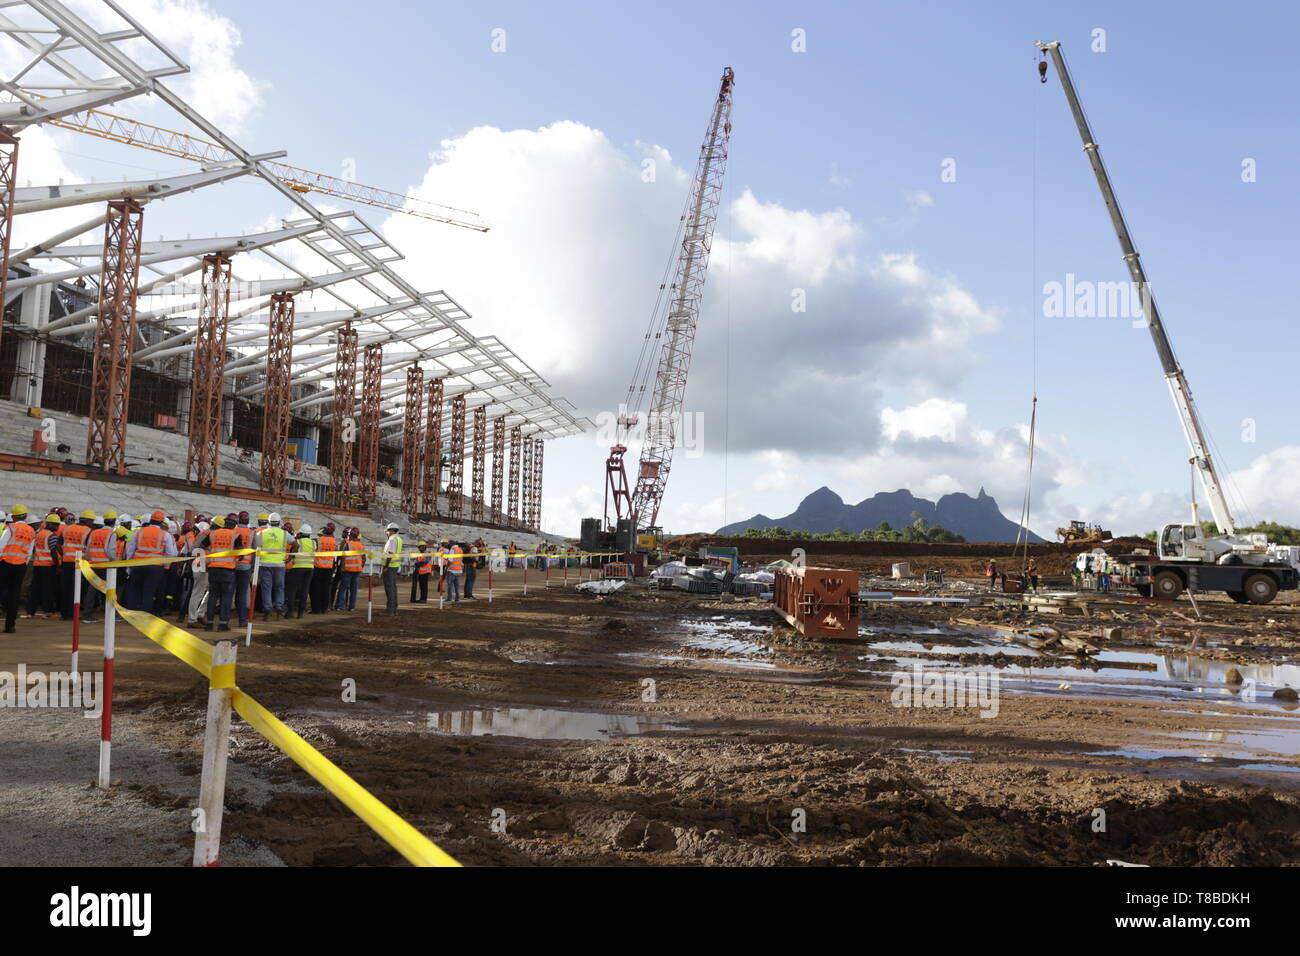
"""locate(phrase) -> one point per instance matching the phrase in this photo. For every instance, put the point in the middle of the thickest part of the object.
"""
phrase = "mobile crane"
(1245, 566)
(677, 322)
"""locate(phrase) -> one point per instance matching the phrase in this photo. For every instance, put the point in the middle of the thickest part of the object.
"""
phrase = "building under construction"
(293, 364)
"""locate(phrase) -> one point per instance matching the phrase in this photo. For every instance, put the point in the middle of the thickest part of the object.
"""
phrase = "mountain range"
(975, 519)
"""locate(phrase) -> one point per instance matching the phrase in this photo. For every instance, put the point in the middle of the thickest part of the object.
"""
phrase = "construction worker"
(196, 609)
(17, 543)
(392, 562)
(151, 541)
(183, 570)
(271, 542)
(243, 564)
(47, 558)
(323, 575)
(421, 568)
(221, 573)
(74, 547)
(262, 519)
(101, 546)
(474, 561)
(1033, 575)
(455, 568)
(302, 565)
(353, 564)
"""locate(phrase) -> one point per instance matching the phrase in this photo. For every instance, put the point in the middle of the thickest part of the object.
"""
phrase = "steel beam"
(538, 450)
(527, 489)
(343, 428)
(203, 458)
(498, 466)
(110, 389)
(433, 449)
(480, 452)
(8, 185)
(412, 441)
(456, 475)
(275, 408)
(512, 500)
(372, 380)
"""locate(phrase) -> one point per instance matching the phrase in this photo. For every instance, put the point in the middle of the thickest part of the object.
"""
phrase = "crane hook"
(1042, 71)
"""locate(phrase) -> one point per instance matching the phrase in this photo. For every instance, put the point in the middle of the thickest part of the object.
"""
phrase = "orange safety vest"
(185, 542)
(427, 567)
(356, 560)
(454, 564)
(97, 546)
(244, 538)
(222, 539)
(327, 543)
(44, 555)
(21, 537)
(149, 542)
(74, 541)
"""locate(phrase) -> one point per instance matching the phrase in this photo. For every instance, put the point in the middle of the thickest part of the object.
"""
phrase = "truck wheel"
(1260, 588)
(1167, 585)
(1239, 597)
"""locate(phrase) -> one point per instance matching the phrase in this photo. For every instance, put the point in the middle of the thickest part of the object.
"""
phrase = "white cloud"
(918, 199)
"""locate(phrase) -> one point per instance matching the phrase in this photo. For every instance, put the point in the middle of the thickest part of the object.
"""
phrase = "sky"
(895, 166)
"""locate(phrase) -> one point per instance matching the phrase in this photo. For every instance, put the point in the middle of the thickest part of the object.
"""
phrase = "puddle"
(545, 724)
(943, 756)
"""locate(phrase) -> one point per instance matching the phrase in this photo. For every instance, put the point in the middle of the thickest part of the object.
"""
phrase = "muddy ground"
(653, 727)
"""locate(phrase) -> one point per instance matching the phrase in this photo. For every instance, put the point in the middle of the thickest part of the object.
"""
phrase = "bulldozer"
(1080, 533)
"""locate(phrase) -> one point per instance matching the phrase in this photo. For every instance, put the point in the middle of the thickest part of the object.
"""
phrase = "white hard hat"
(204, 526)
(305, 528)
(392, 526)
(273, 517)
(172, 526)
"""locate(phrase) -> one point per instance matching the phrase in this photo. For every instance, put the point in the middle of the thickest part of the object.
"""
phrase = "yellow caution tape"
(400, 835)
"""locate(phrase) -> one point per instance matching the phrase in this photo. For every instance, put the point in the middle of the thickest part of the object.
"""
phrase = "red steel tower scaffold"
(527, 489)
(110, 389)
(538, 447)
(673, 322)
(277, 395)
(433, 448)
(456, 460)
(344, 431)
(480, 453)
(412, 441)
(372, 382)
(498, 467)
(512, 499)
(203, 458)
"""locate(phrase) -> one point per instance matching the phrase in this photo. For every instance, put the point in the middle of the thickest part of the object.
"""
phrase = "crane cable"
(1022, 532)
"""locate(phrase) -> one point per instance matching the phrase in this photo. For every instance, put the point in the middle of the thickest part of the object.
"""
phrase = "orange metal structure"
(413, 441)
(372, 380)
(512, 499)
(498, 467)
(8, 183)
(818, 602)
(433, 448)
(456, 460)
(278, 393)
(476, 471)
(343, 432)
(203, 457)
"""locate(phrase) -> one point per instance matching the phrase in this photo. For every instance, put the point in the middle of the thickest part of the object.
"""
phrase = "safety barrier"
(218, 665)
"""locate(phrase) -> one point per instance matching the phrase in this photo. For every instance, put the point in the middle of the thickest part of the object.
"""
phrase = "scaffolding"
(456, 461)
(372, 382)
(8, 183)
(476, 471)
(538, 446)
(498, 466)
(512, 500)
(343, 428)
(276, 398)
(110, 390)
(527, 489)
(433, 449)
(207, 386)
(412, 441)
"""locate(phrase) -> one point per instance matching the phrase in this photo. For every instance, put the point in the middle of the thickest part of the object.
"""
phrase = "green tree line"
(919, 530)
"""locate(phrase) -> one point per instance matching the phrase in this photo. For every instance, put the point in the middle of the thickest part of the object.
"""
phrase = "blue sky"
(861, 122)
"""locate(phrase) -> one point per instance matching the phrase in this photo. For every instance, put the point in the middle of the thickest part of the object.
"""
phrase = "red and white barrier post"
(370, 591)
(106, 717)
(252, 598)
(216, 750)
(76, 616)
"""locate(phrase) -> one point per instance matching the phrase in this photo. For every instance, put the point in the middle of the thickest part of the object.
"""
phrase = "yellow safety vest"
(273, 542)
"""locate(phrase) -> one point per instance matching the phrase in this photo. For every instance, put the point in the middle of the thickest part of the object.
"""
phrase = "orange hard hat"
(158, 515)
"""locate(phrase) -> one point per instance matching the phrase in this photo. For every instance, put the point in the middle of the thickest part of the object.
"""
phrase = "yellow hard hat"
(110, 515)
(122, 532)
(263, 516)
(19, 510)
(52, 518)
(88, 515)
(218, 522)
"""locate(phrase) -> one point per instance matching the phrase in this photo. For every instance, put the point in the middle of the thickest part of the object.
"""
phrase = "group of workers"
(298, 569)
(1027, 576)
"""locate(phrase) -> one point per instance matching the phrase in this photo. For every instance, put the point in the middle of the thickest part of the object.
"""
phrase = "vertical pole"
(277, 394)
(8, 183)
(203, 455)
(252, 598)
(110, 644)
(525, 575)
(372, 380)
(216, 750)
(76, 615)
(343, 423)
(456, 460)
(370, 591)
